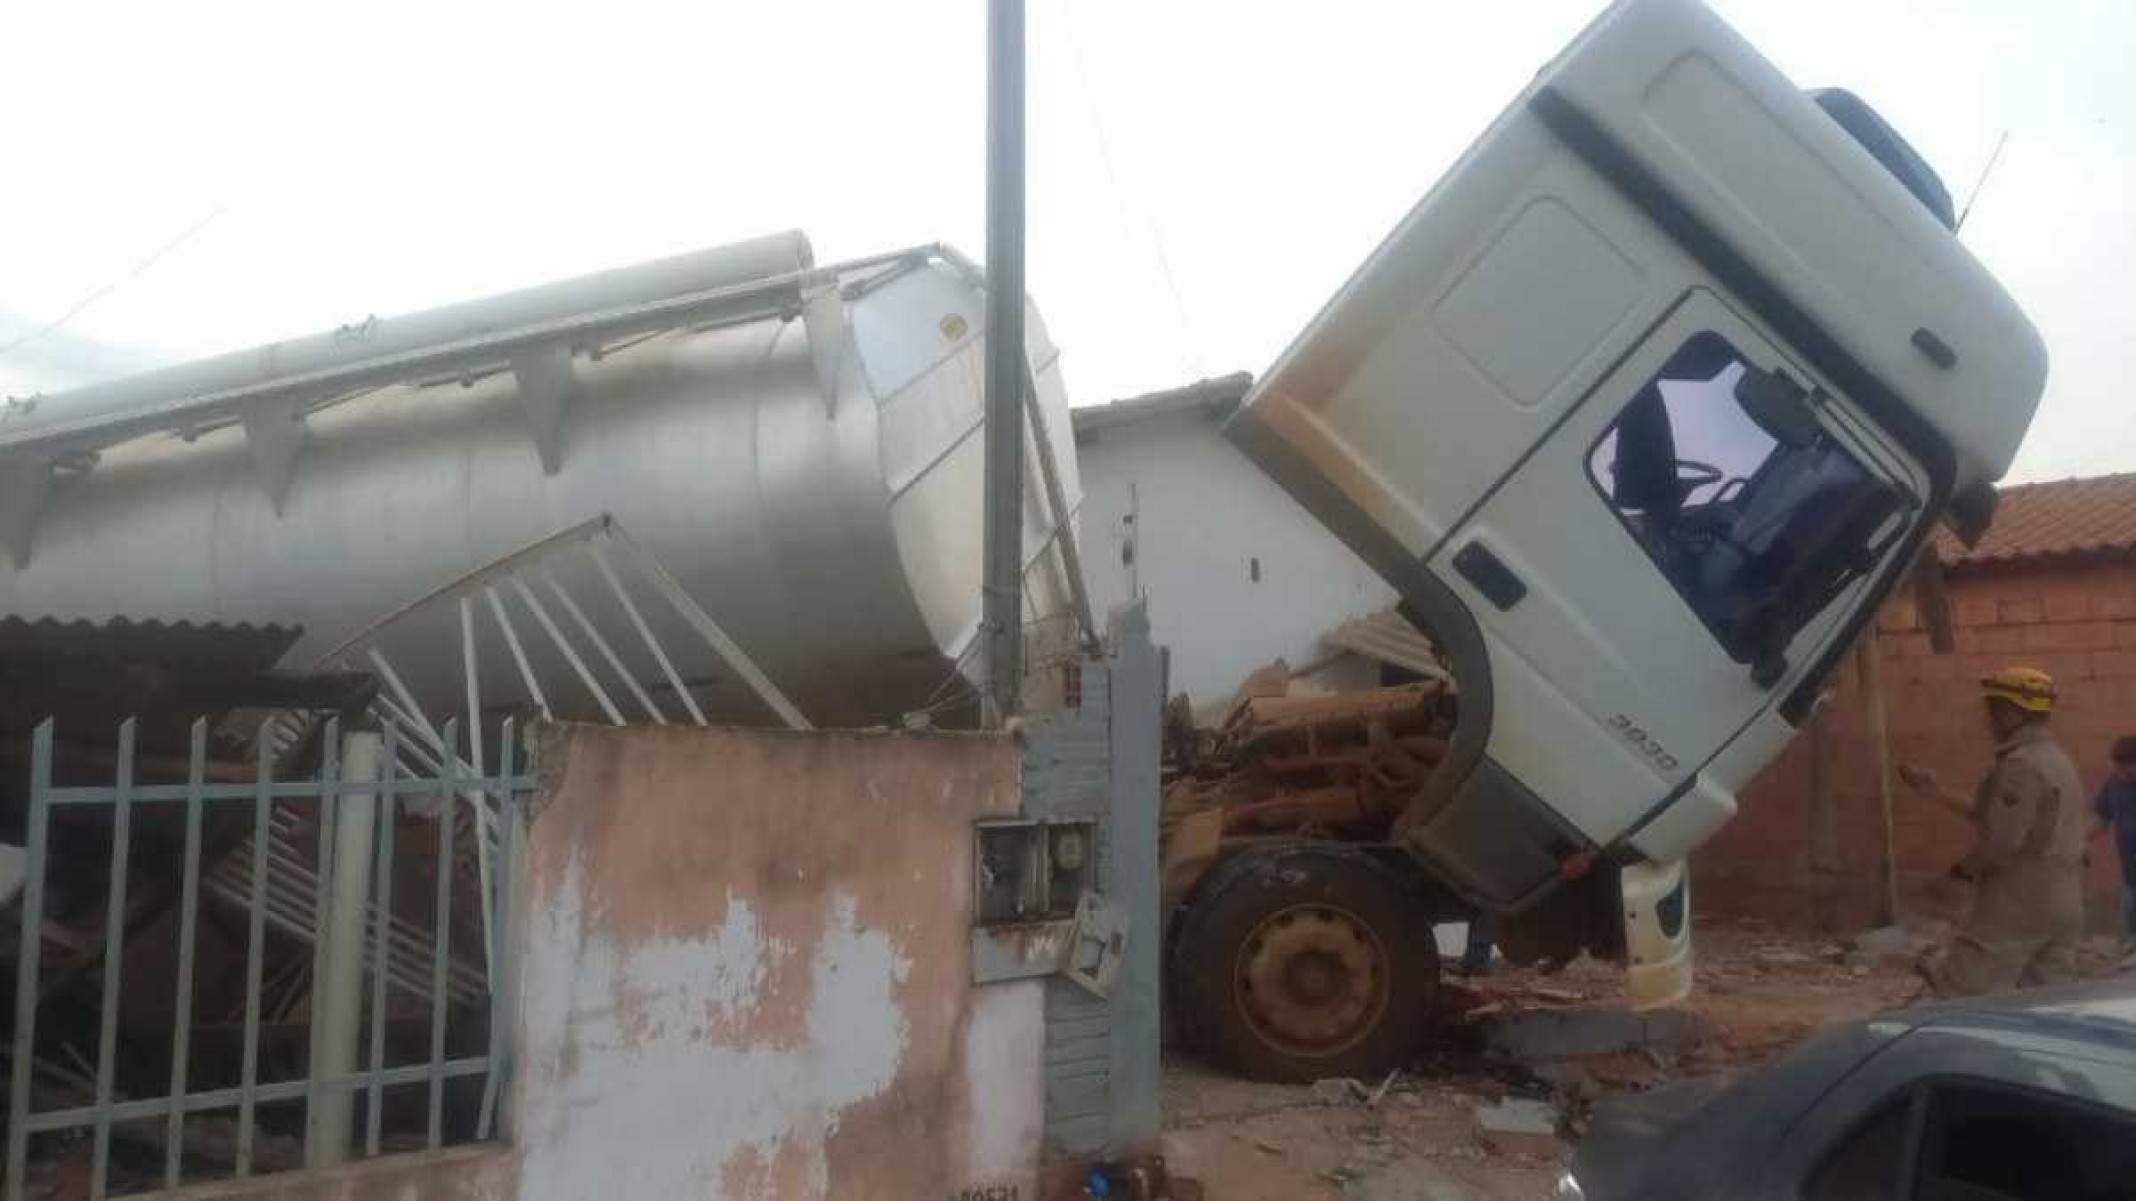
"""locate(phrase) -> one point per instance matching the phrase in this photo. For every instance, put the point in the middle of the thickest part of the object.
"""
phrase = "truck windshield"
(1757, 532)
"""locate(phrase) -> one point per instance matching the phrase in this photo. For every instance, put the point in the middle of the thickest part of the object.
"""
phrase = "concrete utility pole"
(1002, 582)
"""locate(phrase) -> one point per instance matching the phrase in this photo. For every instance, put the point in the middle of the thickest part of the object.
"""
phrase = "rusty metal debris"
(1282, 764)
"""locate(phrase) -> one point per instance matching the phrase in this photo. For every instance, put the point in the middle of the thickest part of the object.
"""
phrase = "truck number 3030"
(1644, 742)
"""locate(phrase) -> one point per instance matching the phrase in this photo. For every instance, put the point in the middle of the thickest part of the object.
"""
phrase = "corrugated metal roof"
(1217, 396)
(238, 647)
(88, 676)
(2090, 516)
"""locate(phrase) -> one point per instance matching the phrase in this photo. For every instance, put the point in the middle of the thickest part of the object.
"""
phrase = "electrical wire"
(1196, 360)
(80, 306)
(1994, 157)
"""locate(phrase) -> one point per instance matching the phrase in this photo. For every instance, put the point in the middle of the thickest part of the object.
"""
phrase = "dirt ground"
(1417, 1137)
(1265, 1142)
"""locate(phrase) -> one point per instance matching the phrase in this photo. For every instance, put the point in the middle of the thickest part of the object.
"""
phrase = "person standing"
(2031, 820)
(2115, 807)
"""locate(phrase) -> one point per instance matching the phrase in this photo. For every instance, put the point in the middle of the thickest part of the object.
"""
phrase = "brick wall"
(2075, 620)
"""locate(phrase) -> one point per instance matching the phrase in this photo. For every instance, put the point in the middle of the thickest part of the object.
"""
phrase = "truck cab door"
(1645, 576)
(1624, 598)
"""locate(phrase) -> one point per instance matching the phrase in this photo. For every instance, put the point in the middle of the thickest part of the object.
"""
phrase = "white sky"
(1203, 174)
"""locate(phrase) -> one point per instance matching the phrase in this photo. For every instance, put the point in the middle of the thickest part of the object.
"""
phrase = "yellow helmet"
(2028, 688)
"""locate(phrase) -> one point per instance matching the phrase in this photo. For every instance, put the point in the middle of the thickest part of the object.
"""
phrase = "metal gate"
(332, 930)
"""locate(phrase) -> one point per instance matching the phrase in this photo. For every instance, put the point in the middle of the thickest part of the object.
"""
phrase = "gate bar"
(107, 1034)
(27, 952)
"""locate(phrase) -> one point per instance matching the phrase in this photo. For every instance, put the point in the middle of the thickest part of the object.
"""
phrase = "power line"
(1195, 359)
(58, 323)
(1993, 158)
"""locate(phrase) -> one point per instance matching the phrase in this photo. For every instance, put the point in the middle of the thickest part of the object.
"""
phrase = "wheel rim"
(1311, 980)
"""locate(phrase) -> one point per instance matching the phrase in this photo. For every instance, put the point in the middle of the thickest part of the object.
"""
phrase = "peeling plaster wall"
(746, 971)
(480, 1173)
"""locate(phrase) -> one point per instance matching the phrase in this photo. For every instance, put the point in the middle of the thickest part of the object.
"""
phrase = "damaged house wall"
(743, 960)
(1236, 574)
(1099, 761)
(746, 970)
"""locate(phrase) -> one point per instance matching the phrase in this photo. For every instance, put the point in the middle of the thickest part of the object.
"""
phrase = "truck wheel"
(1303, 962)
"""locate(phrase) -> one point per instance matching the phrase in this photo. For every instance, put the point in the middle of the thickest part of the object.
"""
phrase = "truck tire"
(1300, 962)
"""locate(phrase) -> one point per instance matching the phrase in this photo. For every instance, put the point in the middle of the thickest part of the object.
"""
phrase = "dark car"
(2025, 1097)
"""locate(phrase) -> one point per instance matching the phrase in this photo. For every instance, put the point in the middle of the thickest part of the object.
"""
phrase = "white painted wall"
(1202, 514)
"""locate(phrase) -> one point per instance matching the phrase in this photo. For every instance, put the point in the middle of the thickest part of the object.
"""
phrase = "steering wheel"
(1695, 528)
(1695, 475)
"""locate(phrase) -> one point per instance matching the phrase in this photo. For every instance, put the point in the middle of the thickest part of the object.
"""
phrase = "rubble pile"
(1526, 1056)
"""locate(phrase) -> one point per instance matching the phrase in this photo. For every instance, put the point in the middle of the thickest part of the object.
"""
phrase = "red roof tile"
(2096, 515)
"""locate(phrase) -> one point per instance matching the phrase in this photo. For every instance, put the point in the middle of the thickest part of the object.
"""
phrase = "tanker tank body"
(798, 446)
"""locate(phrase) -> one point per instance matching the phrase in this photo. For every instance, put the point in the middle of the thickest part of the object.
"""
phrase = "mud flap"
(1657, 933)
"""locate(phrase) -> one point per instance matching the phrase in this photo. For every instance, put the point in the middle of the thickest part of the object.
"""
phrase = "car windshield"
(1757, 524)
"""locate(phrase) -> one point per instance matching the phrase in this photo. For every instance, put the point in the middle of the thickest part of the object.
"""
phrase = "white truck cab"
(1644, 409)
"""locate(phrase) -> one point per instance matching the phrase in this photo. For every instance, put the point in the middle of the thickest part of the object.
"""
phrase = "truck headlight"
(1568, 1188)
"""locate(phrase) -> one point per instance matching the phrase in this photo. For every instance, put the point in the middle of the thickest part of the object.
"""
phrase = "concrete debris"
(1426, 1141)
(1884, 940)
(1887, 947)
(1519, 1126)
(1413, 1186)
(1552, 1034)
(1341, 1090)
(1518, 1115)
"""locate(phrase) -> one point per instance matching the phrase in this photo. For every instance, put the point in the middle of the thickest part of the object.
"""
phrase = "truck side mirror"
(1769, 668)
(1779, 405)
(1767, 637)
(1972, 511)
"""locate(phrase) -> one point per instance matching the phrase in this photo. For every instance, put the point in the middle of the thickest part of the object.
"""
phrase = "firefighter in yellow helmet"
(2027, 865)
